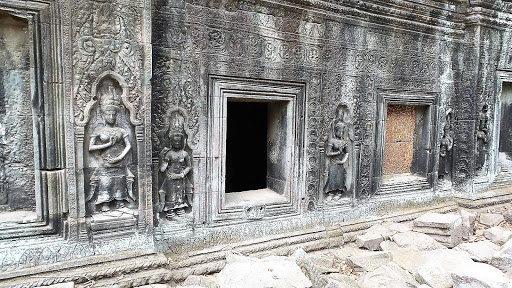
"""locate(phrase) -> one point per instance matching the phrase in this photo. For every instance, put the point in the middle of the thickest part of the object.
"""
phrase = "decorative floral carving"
(106, 40)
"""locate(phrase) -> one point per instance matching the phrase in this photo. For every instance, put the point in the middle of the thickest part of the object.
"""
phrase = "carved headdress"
(177, 122)
(109, 96)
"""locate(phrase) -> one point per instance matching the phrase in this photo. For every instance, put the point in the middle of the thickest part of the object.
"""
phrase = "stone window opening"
(255, 148)
(255, 137)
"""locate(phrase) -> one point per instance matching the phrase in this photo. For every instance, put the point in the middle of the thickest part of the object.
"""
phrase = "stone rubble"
(408, 259)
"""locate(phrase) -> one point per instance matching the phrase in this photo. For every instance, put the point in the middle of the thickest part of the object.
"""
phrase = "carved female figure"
(482, 137)
(444, 153)
(337, 152)
(175, 162)
(111, 181)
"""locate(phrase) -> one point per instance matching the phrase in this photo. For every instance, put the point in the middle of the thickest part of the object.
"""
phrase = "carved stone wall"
(114, 112)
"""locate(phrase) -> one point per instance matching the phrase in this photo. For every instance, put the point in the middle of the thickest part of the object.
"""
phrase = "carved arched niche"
(109, 151)
(338, 176)
(174, 171)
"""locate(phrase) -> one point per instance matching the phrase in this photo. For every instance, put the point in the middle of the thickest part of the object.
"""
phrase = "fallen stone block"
(433, 275)
(503, 258)
(370, 241)
(416, 241)
(468, 223)
(201, 281)
(437, 220)
(389, 275)
(407, 259)
(446, 258)
(272, 271)
(370, 261)
(381, 230)
(323, 263)
(490, 219)
(444, 228)
(481, 251)
(498, 235)
(343, 281)
(449, 241)
(478, 275)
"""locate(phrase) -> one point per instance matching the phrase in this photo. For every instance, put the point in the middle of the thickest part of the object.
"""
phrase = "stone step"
(399, 187)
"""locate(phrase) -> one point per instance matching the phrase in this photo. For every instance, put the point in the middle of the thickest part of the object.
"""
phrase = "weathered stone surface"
(416, 241)
(343, 280)
(383, 230)
(168, 286)
(69, 285)
(346, 251)
(202, 281)
(407, 259)
(165, 57)
(437, 220)
(398, 227)
(271, 271)
(323, 263)
(503, 258)
(481, 251)
(332, 283)
(448, 259)
(444, 228)
(478, 275)
(449, 241)
(433, 275)
(468, 223)
(370, 261)
(491, 219)
(370, 241)
(498, 235)
(411, 260)
(389, 275)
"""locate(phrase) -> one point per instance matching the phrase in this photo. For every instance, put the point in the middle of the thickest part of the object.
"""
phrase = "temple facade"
(131, 128)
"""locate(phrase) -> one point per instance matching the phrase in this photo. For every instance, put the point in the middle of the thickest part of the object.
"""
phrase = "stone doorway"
(505, 149)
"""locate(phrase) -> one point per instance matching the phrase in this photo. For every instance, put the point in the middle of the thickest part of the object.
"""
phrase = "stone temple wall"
(127, 103)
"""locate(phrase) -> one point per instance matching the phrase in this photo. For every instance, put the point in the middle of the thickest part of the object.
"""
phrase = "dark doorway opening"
(246, 146)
